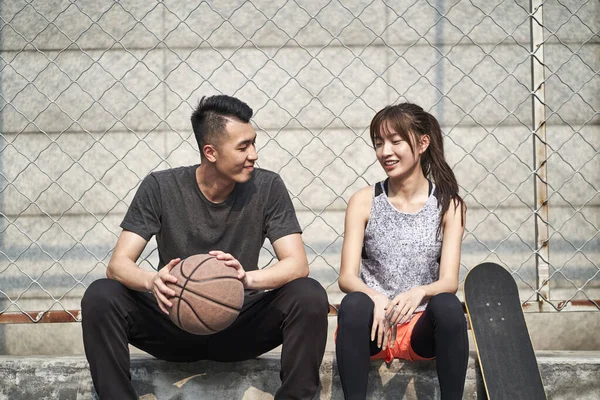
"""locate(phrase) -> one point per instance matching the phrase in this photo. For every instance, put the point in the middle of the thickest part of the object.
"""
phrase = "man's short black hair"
(210, 117)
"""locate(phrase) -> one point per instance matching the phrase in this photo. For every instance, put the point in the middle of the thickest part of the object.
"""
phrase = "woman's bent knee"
(446, 302)
(356, 302)
(447, 311)
(355, 310)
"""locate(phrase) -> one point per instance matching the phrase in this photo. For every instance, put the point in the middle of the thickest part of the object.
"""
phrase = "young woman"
(401, 256)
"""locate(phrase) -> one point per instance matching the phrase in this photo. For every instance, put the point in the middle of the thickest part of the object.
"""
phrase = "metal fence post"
(538, 79)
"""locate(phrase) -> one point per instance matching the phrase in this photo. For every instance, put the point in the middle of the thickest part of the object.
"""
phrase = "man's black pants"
(294, 315)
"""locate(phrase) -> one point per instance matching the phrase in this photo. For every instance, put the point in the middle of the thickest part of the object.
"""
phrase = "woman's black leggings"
(441, 332)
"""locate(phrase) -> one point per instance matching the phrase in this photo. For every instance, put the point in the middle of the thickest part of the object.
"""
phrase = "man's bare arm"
(292, 264)
(122, 267)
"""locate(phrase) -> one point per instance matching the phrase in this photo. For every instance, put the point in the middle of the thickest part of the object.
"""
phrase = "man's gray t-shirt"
(170, 205)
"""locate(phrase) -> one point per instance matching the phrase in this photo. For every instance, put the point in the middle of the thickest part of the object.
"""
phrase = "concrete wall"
(96, 94)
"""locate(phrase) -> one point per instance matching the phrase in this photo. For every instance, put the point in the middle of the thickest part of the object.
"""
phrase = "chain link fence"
(95, 94)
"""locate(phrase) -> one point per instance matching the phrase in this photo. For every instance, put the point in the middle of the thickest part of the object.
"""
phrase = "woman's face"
(395, 154)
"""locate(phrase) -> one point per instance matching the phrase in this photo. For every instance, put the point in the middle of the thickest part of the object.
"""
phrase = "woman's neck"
(410, 188)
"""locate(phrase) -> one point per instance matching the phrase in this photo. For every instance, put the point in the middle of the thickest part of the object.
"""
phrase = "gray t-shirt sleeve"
(280, 218)
(144, 214)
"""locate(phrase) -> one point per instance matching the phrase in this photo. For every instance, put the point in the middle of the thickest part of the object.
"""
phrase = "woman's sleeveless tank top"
(401, 250)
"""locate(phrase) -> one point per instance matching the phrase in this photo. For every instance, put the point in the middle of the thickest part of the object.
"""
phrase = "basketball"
(208, 295)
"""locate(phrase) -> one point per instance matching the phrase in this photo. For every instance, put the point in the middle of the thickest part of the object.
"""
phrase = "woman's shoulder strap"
(379, 188)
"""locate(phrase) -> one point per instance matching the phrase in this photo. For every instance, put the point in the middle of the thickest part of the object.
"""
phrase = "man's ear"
(210, 153)
(424, 143)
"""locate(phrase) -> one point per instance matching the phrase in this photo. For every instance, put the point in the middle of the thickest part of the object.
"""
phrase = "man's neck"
(212, 185)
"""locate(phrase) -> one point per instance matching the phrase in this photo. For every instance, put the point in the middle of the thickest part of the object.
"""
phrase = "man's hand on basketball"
(402, 307)
(232, 262)
(159, 287)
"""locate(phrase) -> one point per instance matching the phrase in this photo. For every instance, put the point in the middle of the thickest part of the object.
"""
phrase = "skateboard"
(506, 357)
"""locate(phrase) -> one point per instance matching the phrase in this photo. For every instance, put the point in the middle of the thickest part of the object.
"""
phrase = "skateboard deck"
(506, 357)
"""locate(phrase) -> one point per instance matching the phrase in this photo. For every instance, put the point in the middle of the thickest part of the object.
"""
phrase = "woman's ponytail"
(435, 167)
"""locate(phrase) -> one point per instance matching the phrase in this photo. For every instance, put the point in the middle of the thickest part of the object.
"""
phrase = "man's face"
(236, 152)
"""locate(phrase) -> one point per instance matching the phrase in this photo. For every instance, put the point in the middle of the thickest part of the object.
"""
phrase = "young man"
(226, 207)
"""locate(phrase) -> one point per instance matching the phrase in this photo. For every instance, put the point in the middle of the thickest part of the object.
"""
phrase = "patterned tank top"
(401, 250)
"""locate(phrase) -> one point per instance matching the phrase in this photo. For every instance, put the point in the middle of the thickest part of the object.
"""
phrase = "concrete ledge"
(567, 375)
